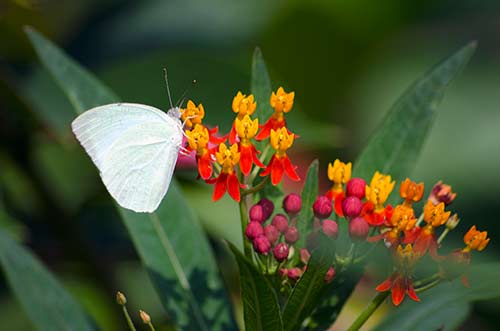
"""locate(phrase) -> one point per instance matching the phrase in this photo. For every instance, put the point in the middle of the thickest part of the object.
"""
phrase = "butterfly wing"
(135, 148)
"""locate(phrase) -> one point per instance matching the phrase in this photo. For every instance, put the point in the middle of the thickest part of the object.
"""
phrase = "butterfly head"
(174, 112)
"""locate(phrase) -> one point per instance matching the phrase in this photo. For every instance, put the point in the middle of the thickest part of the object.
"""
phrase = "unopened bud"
(330, 228)
(294, 273)
(146, 319)
(442, 193)
(280, 222)
(267, 208)
(281, 252)
(256, 214)
(261, 245)
(358, 229)
(121, 299)
(351, 206)
(322, 207)
(330, 274)
(271, 233)
(304, 255)
(356, 187)
(292, 235)
(452, 222)
(292, 204)
(253, 230)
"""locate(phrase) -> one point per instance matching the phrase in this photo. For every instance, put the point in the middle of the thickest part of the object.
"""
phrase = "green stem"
(443, 235)
(151, 327)
(369, 310)
(428, 286)
(255, 188)
(129, 320)
(244, 222)
(420, 219)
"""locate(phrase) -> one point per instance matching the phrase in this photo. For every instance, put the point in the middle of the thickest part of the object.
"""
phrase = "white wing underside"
(135, 148)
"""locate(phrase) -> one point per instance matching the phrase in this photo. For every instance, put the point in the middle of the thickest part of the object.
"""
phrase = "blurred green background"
(347, 61)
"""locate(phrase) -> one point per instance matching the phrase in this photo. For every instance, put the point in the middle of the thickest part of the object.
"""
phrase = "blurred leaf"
(309, 195)
(445, 305)
(397, 143)
(261, 86)
(46, 302)
(170, 242)
(307, 292)
(260, 303)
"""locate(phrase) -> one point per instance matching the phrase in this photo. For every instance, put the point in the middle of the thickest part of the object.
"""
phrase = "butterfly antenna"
(168, 88)
(183, 96)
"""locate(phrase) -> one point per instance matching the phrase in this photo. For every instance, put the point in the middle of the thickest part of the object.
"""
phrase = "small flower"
(256, 214)
(279, 164)
(242, 105)
(294, 273)
(272, 234)
(198, 139)
(358, 229)
(292, 204)
(267, 208)
(411, 191)
(261, 245)
(304, 255)
(339, 173)
(280, 222)
(475, 240)
(330, 228)
(121, 299)
(322, 207)
(246, 130)
(356, 187)
(281, 102)
(280, 252)
(227, 180)
(380, 187)
(442, 193)
(193, 114)
(146, 319)
(292, 235)
(254, 230)
(434, 216)
(351, 207)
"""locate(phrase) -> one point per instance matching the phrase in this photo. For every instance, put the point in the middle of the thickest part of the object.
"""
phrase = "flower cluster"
(229, 166)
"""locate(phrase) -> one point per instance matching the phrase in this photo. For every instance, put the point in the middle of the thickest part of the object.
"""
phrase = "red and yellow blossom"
(411, 191)
(280, 141)
(281, 102)
(401, 220)
(242, 105)
(400, 282)
(227, 180)
(246, 129)
(192, 114)
(475, 240)
(198, 139)
(377, 194)
(434, 216)
(339, 173)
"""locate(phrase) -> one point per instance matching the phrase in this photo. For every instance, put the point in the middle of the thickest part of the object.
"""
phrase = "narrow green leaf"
(261, 86)
(260, 303)
(170, 242)
(309, 289)
(397, 143)
(42, 297)
(309, 194)
(445, 306)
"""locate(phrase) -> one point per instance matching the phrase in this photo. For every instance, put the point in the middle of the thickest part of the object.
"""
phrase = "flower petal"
(220, 186)
(290, 169)
(246, 159)
(398, 291)
(385, 285)
(233, 186)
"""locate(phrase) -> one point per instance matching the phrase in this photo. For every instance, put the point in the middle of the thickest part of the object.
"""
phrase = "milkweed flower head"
(282, 103)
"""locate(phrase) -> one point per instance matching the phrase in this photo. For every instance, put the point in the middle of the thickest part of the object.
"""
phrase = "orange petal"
(204, 166)
(276, 170)
(232, 135)
(220, 186)
(398, 291)
(246, 159)
(411, 292)
(233, 186)
(385, 285)
(337, 204)
(290, 169)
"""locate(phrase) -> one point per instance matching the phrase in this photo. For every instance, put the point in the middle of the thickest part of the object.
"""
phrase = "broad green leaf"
(445, 306)
(260, 303)
(261, 86)
(170, 242)
(309, 289)
(309, 194)
(397, 143)
(42, 297)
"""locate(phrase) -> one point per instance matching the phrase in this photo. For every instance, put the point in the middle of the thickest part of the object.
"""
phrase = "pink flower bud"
(292, 235)
(322, 207)
(281, 252)
(351, 206)
(261, 245)
(294, 273)
(256, 214)
(356, 188)
(267, 208)
(292, 204)
(358, 229)
(253, 230)
(283, 272)
(330, 228)
(272, 234)
(304, 255)
(280, 222)
(330, 274)
(442, 193)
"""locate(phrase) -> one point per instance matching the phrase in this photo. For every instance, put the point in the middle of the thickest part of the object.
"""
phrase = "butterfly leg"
(184, 151)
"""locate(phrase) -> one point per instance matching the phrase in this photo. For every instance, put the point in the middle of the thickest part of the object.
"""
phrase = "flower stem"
(244, 222)
(129, 320)
(369, 310)
(420, 219)
(255, 188)
(443, 235)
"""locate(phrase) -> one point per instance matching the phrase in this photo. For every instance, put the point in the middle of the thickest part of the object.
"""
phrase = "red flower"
(399, 286)
(226, 182)
(279, 164)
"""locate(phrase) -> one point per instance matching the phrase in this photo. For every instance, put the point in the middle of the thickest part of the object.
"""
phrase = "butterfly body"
(135, 148)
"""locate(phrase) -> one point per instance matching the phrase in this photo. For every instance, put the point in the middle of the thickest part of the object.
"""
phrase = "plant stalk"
(247, 249)
(369, 310)
(129, 320)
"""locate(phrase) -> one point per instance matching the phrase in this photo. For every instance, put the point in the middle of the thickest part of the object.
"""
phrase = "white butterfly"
(135, 148)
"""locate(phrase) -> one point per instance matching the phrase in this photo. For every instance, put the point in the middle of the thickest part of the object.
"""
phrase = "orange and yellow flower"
(434, 216)
(475, 240)
(242, 105)
(281, 102)
(227, 180)
(198, 139)
(377, 193)
(246, 129)
(339, 173)
(411, 191)
(401, 220)
(192, 114)
(280, 164)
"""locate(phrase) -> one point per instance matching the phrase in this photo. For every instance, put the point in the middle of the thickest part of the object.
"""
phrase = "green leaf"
(82, 89)
(261, 86)
(309, 289)
(42, 297)
(170, 242)
(446, 304)
(260, 303)
(309, 194)
(397, 143)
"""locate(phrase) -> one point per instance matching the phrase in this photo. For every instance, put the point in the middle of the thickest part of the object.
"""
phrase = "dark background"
(347, 62)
